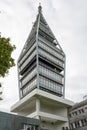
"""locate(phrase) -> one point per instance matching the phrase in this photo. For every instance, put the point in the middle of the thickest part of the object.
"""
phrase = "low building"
(78, 116)
(15, 122)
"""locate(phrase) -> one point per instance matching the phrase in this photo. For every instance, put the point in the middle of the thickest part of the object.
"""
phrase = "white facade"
(78, 116)
(50, 109)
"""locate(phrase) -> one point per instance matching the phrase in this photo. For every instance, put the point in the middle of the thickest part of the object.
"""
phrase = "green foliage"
(6, 61)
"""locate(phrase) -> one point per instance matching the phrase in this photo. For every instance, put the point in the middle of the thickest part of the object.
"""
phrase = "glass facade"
(50, 85)
(27, 54)
(28, 77)
(50, 57)
(51, 74)
(29, 58)
(50, 50)
(29, 87)
(42, 62)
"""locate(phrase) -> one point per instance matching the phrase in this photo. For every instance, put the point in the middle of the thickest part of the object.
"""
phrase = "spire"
(42, 29)
(39, 8)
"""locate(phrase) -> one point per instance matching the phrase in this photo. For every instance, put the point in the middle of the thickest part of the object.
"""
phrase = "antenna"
(40, 8)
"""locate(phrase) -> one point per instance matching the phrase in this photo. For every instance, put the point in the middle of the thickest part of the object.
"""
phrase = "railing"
(51, 51)
(27, 54)
(50, 57)
(30, 86)
(27, 60)
(51, 74)
(28, 77)
(48, 43)
(45, 29)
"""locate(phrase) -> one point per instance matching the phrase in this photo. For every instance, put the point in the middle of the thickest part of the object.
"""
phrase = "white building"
(78, 116)
(41, 72)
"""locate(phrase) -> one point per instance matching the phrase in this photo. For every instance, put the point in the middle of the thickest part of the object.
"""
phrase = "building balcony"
(51, 50)
(49, 44)
(27, 61)
(27, 54)
(44, 28)
(52, 118)
(29, 87)
(51, 58)
(28, 77)
(51, 74)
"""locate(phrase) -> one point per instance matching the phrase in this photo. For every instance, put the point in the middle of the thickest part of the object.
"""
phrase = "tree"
(6, 61)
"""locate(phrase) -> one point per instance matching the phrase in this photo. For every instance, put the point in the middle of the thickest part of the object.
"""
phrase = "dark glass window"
(84, 122)
(71, 126)
(63, 128)
(77, 124)
(28, 127)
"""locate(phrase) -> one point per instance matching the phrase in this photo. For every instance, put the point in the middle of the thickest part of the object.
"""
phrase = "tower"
(41, 74)
(42, 61)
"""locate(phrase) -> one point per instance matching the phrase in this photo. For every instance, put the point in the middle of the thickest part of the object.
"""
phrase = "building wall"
(48, 126)
(14, 122)
(62, 126)
(78, 116)
(53, 108)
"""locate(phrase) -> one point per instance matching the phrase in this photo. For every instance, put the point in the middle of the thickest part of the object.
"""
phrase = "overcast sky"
(68, 21)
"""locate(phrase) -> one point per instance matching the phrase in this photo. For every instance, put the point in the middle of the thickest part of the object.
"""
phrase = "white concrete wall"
(48, 125)
(53, 126)
(53, 109)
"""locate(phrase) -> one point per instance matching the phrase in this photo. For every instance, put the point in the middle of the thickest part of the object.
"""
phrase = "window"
(51, 74)
(75, 112)
(50, 57)
(28, 127)
(28, 76)
(82, 110)
(29, 58)
(70, 115)
(63, 128)
(50, 50)
(77, 124)
(71, 126)
(50, 85)
(84, 122)
(27, 54)
(67, 128)
(31, 85)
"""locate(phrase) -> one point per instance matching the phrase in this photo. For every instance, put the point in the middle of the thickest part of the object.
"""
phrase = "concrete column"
(80, 123)
(37, 106)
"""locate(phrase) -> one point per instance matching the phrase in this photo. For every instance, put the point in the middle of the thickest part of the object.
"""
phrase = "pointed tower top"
(39, 8)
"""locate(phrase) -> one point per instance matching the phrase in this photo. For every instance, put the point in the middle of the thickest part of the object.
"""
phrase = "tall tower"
(41, 74)
(42, 61)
